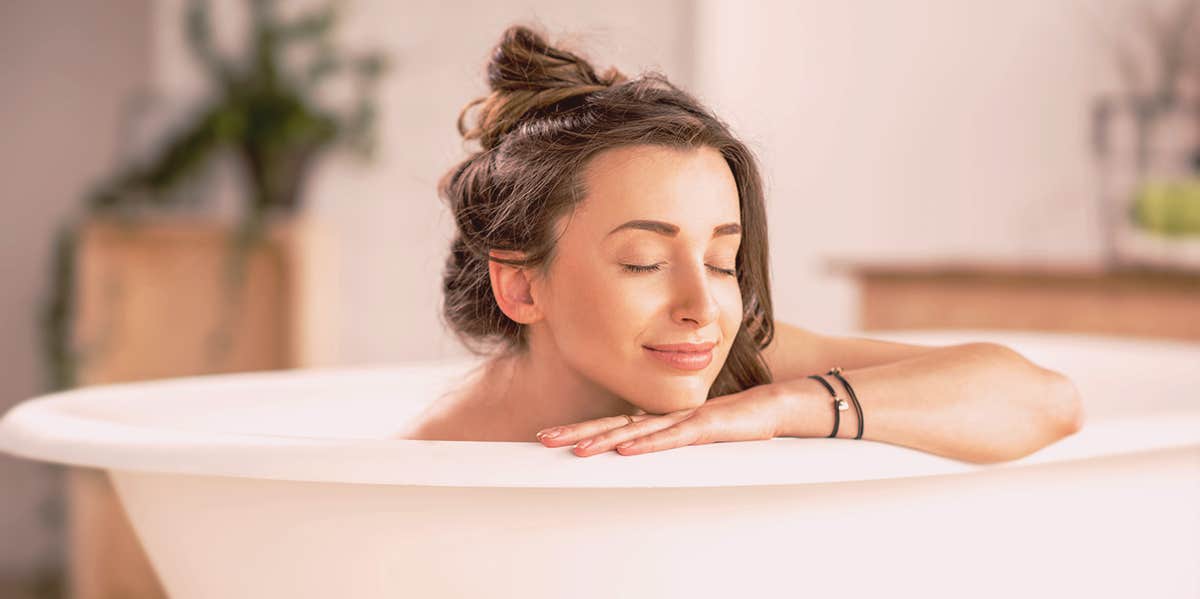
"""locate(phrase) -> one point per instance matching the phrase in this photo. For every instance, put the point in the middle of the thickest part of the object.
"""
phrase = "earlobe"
(511, 286)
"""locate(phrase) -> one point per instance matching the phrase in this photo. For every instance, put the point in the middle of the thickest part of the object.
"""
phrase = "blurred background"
(194, 188)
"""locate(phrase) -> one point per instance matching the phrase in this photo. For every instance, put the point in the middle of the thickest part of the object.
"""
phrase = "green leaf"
(313, 25)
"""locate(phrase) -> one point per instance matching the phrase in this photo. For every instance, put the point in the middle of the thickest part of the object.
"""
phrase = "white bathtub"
(283, 484)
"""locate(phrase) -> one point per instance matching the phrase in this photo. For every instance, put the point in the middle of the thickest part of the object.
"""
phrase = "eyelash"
(654, 267)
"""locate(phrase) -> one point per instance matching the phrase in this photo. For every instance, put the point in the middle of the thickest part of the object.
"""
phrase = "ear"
(512, 287)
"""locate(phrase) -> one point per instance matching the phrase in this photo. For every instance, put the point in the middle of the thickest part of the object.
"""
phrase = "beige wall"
(66, 72)
(941, 128)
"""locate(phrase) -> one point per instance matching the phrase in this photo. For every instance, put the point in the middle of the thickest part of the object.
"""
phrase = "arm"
(978, 402)
(795, 352)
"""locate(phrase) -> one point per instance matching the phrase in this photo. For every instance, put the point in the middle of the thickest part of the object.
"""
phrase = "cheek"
(596, 314)
(730, 300)
(731, 310)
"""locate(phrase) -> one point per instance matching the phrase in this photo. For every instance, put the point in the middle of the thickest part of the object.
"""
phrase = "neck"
(537, 390)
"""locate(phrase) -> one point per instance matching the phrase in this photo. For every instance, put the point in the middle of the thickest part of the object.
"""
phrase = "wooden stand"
(1065, 297)
(149, 300)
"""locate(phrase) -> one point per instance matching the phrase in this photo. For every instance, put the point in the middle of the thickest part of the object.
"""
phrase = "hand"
(753, 414)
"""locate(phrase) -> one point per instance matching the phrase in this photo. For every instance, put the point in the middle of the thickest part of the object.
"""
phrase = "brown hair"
(547, 115)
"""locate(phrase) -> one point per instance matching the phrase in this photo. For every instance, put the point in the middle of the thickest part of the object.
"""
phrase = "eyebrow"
(670, 230)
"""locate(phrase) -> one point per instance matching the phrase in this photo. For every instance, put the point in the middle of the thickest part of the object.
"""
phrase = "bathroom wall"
(66, 74)
(940, 129)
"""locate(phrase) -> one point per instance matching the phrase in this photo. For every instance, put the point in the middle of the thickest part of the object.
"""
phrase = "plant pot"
(153, 301)
(1140, 145)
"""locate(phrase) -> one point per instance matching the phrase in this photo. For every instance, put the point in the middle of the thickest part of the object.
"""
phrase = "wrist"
(805, 408)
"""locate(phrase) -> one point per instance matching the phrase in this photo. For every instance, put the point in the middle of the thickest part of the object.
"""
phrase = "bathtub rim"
(439, 463)
(34, 429)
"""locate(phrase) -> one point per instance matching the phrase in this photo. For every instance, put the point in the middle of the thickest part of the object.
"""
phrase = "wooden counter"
(1087, 298)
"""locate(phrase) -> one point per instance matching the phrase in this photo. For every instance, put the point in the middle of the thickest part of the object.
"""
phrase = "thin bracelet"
(837, 371)
(839, 404)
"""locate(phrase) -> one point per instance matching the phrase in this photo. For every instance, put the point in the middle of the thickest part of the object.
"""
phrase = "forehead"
(691, 188)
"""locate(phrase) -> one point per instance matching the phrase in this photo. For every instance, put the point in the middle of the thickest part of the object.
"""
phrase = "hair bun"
(526, 74)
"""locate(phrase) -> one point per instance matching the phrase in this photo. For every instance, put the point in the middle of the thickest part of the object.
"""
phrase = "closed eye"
(658, 266)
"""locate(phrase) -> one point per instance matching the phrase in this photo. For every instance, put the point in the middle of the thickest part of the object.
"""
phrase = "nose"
(694, 300)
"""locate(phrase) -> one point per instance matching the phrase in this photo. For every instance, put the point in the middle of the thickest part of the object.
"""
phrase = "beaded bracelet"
(837, 372)
(839, 404)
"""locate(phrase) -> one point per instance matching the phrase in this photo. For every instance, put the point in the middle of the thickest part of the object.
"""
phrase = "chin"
(669, 400)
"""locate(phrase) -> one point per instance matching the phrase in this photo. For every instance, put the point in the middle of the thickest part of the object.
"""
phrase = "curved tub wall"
(1108, 527)
(284, 484)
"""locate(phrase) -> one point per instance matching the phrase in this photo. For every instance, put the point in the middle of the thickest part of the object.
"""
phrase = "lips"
(683, 347)
(682, 356)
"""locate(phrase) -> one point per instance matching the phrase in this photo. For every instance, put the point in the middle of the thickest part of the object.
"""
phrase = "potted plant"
(262, 113)
(1147, 140)
(265, 117)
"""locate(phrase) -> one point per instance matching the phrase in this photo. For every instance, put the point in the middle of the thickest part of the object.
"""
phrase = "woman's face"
(647, 259)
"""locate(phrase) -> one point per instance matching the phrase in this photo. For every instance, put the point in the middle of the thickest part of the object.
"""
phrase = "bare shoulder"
(795, 352)
(426, 429)
(455, 415)
(442, 420)
(448, 417)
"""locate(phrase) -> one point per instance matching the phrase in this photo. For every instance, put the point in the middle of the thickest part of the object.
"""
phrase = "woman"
(611, 259)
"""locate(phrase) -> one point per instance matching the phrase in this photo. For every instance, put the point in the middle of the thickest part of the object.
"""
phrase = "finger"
(607, 440)
(571, 433)
(685, 432)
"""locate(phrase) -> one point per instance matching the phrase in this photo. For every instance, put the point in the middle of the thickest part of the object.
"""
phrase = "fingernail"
(549, 434)
(625, 445)
(583, 444)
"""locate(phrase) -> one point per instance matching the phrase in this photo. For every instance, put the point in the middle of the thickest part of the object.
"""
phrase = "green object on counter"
(1168, 207)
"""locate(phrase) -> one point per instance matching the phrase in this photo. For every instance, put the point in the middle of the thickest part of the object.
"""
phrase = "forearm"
(978, 402)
